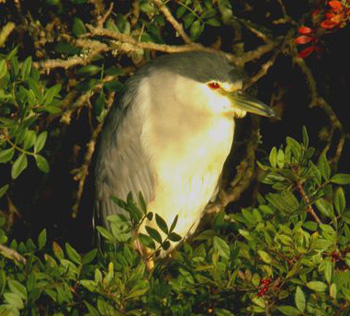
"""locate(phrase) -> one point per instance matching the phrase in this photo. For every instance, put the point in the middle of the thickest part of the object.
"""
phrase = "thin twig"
(307, 201)
(255, 54)
(94, 48)
(82, 173)
(264, 68)
(103, 19)
(316, 100)
(152, 46)
(170, 18)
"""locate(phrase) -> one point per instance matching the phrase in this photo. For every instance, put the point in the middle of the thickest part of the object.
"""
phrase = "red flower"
(336, 6)
(335, 16)
(308, 36)
(305, 30)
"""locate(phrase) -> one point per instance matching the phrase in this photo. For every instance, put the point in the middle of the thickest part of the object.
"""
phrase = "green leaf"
(339, 200)
(328, 271)
(57, 250)
(166, 245)
(288, 310)
(142, 203)
(196, 29)
(300, 300)
(305, 137)
(6, 154)
(42, 163)
(341, 178)
(51, 93)
(90, 256)
(90, 285)
(154, 234)
(18, 288)
(147, 241)
(264, 256)
(188, 20)
(324, 167)
(317, 286)
(3, 190)
(149, 216)
(225, 8)
(26, 67)
(180, 12)
(42, 239)
(147, 7)
(73, 254)
(213, 22)
(14, 300)
(110, 25)
(106, 234)
(89, 70)
(40, 142)
(273, 157)
(293, 147)
(174, 237)
(19, 165)
(324, 207)
(221, 247)
(136, 293)
(92, 310)
(29, 139)
(161, 223)
(3, 68)
(333, 291)
(52, 109)
(78, 27)
(174, 223)
(280, 158)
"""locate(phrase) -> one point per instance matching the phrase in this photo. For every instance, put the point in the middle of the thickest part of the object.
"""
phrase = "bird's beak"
(250, 104)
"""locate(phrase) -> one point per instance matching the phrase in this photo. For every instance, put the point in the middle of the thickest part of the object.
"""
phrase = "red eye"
(213, 85)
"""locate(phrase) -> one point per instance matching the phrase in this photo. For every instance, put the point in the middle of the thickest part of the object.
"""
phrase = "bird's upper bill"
(247, 103)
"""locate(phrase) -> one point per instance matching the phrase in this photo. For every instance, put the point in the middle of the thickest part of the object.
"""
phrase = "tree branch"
(170, 18)
(12, 254)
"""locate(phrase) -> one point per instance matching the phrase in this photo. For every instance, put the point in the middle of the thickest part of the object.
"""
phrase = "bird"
(169, 137)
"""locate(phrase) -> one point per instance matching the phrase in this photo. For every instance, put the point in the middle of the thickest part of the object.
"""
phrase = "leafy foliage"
(277, 256)
(25, 103)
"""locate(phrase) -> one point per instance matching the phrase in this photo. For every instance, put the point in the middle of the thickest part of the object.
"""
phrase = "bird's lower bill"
(243, 103)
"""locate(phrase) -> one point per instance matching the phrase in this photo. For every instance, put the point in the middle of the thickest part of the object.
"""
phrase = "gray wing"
(122, 164)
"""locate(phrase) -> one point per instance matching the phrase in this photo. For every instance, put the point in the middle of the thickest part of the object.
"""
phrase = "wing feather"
(122, 163)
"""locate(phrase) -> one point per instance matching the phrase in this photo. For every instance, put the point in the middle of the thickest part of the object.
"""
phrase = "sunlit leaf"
(300, 300)
(19, 165)
(42, 163)
(6, 154)
(324, 167)
(221, 247)
(317, 286)
(341, 178)
(73, 254)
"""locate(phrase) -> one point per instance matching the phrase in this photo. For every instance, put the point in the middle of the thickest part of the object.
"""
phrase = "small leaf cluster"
(25, 103)
(123, 227)
(196, 15)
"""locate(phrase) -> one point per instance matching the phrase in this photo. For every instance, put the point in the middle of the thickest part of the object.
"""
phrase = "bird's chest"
(190, 145)
(188, 162)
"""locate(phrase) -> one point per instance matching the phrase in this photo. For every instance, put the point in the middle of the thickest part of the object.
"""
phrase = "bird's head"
(207, 82)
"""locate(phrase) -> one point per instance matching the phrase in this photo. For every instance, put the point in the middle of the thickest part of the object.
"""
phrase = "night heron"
(170, 136)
